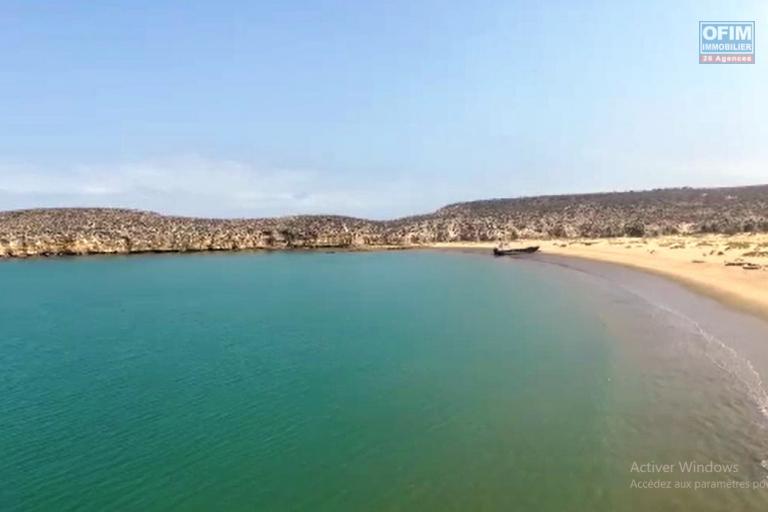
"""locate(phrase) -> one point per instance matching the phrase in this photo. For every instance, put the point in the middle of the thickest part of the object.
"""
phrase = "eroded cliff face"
(675, 211)
(113, 231)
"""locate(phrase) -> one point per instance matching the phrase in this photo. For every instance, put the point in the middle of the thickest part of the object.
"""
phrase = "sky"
(371, 109)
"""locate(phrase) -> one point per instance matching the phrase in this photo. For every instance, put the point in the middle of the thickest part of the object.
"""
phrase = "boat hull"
(515, 252)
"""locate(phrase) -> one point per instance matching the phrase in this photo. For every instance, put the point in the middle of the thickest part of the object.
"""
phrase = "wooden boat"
(512, 252)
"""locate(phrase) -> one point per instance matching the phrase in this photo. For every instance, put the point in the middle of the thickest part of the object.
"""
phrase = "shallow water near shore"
(372, 381)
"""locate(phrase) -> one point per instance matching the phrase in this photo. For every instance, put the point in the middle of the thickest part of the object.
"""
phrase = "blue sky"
(376, 109)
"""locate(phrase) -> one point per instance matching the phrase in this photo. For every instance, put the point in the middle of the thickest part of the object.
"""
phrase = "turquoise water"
(306, 381)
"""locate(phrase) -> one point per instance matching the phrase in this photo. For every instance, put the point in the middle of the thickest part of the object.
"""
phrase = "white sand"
(697, 261)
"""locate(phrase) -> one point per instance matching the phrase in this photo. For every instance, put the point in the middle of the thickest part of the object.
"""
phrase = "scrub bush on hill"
(636, 214)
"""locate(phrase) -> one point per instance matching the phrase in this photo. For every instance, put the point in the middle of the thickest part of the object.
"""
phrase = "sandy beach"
(733, 269)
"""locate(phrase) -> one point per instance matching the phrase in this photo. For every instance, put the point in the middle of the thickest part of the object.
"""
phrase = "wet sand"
(743, 334)
(733, 269)
(688, 378)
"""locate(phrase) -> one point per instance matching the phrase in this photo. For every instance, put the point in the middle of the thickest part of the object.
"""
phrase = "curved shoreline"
(708, 274)
(733, 333)
(746, 290)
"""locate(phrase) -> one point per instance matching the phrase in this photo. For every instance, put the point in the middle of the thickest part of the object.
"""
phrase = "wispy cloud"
(198, 186)
(194, 185)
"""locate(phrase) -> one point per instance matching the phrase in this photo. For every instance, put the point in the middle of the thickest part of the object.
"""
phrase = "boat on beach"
(498, 251)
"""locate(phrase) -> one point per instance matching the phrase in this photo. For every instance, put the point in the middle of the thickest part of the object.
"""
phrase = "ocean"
(404, 380)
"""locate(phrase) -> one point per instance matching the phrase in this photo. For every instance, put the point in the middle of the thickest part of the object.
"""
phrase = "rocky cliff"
(61, 231)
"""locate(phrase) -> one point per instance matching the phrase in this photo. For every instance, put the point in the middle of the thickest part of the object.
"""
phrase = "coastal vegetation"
(680, 212)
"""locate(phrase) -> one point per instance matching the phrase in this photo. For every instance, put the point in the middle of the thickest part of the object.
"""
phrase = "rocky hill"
(671, 211)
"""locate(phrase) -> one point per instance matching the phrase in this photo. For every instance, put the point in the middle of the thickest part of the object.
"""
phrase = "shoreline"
(733, 285)
(732, 269)
(318, 249)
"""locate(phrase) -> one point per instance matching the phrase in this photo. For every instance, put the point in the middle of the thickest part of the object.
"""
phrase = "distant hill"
(647, 213)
